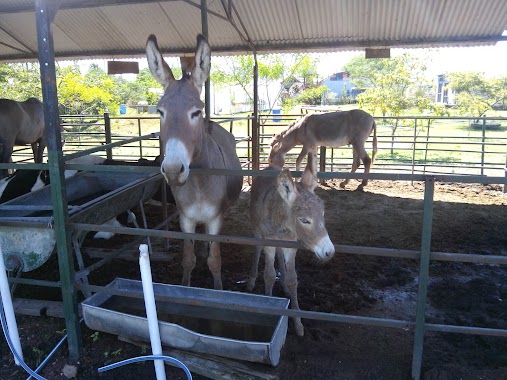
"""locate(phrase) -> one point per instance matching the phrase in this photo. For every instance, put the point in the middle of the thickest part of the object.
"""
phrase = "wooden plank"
(211, 366)
(37, 308)
(122, 67)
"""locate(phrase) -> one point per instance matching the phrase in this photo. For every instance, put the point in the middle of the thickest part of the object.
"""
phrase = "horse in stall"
(21, 123)
(283, 210)
(333, 129)
(190, 142)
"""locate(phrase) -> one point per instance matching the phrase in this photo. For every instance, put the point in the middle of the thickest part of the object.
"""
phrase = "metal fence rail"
(424, 255)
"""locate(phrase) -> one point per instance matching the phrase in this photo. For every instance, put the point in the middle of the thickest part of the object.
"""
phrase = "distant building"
(444, 94)
(340, 86)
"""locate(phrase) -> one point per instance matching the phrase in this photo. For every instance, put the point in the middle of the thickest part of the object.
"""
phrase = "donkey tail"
(374, 151)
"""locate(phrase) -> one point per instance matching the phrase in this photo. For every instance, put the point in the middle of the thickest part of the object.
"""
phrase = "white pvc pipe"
(151, 309)
(9, 309)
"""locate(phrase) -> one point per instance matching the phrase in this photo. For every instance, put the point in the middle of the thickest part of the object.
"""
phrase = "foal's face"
(181, 128)
(308, 212)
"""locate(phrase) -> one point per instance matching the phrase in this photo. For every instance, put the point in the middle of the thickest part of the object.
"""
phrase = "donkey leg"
(214, 258)
(254, 269)
(355, 164)
(290, 285)
(367, 165)
(269, 270)
(36, 154)
(6, 158)
(302, 155)
(188, 262)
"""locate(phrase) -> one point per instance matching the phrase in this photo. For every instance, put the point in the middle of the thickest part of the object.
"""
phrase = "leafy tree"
(476, 94)
(86, 95)
(312, 95)
(392, 85)
(272, 68)
(20, 81)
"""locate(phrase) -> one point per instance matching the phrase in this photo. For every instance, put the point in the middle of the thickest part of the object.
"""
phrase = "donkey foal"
(282, 209)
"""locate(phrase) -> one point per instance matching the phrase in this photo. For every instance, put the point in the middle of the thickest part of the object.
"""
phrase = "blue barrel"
(123, 109)
(277, 111)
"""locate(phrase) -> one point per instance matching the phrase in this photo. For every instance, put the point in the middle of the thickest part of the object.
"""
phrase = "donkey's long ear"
(286, 187)
(158, 67)
(309, 177)
(202, 62)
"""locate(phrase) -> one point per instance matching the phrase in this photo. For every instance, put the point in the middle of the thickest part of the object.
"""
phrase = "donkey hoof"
(342, 185)
(250, 286)
(300, 330)
(360, 188)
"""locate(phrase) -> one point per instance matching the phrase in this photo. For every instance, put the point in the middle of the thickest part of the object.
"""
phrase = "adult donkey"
(21, 123)
(189, 143)
(283, 210)
(333, 129)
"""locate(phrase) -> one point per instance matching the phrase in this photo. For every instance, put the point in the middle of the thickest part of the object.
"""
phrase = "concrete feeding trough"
(233, 334)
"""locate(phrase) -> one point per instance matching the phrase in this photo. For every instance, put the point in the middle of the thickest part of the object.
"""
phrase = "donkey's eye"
(195, 113)
(304, 221)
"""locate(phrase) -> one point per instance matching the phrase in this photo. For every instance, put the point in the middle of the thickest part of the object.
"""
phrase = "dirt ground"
(467, 219)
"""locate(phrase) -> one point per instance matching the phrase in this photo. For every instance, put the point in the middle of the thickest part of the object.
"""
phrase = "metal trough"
(234, 334)
(93, 198)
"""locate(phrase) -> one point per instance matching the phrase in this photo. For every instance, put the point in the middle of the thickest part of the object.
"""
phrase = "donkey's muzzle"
(175, 174)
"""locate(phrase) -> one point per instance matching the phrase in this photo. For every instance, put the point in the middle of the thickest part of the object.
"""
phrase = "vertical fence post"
(424, 263)
(505, 172)
(107, 130)
(140, 141)
(483, 139)
(426, 149)
(322, 162)
(413, 147)
(45, 12)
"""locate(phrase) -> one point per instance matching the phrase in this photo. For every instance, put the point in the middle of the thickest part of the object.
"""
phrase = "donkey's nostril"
(182, 169)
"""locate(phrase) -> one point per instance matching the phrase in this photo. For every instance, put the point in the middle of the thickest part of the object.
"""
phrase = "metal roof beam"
(78, 5)
(273, 48)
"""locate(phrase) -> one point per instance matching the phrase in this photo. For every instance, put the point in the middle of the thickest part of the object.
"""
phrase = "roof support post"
(255, 122)
(424, 264)
(207, 88)
(45, 11)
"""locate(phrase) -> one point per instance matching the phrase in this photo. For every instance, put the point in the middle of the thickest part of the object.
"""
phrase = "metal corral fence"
(424, 254)
(137, 136)
(407, 144)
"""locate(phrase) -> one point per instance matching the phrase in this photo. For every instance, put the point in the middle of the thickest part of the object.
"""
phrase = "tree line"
(391, 86)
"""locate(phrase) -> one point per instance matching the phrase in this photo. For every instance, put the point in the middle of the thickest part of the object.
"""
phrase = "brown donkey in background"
(333, 129)
(21, 123)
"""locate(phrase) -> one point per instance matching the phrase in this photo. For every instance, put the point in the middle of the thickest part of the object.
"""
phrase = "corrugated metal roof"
(119, 28)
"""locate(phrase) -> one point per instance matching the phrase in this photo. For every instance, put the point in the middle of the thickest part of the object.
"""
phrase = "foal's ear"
(202, 62)
(286, 187)
(158, 67)
(309, 177)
